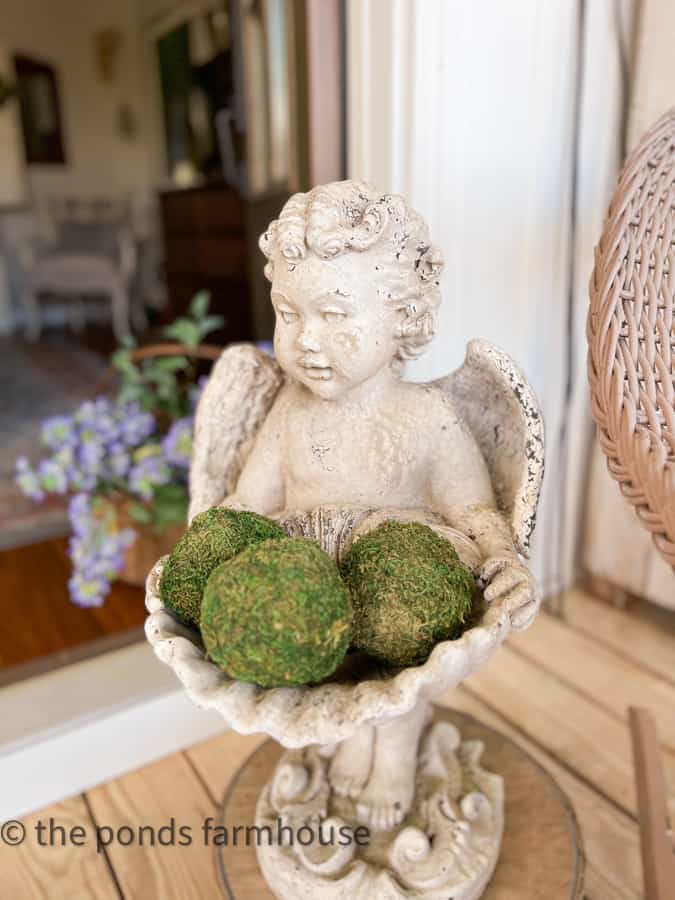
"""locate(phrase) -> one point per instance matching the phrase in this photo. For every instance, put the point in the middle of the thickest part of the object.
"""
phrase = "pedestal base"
(540, 858)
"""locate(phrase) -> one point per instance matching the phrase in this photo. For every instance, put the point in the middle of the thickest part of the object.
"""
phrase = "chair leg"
(76, 315)
(119, 299)
(31, 309)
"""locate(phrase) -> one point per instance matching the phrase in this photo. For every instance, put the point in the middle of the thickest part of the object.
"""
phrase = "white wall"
(99, 161)
(469, 109)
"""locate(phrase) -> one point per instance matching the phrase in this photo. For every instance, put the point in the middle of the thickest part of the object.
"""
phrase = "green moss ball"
(409, 591)
(213, 537)
(277, 614)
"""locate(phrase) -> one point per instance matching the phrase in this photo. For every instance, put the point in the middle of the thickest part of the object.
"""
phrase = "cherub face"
(333, 329)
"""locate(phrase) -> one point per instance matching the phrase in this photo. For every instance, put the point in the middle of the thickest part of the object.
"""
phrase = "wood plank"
(644, 635)
(578, 733)
(599, 673)
(154, 796)
(218, 759)
(60, 873)
(610, 837)
(658, 858)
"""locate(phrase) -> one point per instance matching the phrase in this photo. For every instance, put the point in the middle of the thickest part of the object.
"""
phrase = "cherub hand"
(505, 578)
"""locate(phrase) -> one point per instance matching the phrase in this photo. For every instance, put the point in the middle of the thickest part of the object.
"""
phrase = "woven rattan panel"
(630, 334)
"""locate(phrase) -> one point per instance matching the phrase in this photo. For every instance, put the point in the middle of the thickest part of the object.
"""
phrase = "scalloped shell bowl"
(322, 714)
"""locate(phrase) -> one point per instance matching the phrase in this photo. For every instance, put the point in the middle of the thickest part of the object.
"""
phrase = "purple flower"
(177, 443)
(90, 453)
(88, 412)
(98, 420)
(86, 591)
(106, 443)
(65, 457)
(118, 460)
(79, 513)
(135, 426)
(28, 481)
(53, 476)
(57, 432)
(83, 481)
(96, 550)
(149, 471)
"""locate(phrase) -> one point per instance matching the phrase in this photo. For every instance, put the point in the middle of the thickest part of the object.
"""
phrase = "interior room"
(145, 147)
(183, 183)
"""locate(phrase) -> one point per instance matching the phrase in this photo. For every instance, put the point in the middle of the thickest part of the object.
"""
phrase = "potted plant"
(124, 458)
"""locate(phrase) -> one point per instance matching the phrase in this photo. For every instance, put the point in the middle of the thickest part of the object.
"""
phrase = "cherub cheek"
(346, 341)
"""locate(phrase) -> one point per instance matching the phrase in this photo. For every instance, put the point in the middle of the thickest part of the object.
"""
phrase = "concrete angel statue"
(330, 440)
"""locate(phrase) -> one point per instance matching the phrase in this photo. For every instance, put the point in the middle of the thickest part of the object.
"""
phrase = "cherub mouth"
(316, 371)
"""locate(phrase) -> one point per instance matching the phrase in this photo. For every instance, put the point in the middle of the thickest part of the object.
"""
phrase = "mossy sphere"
(409, 591)
(213, 537)
(277, 614)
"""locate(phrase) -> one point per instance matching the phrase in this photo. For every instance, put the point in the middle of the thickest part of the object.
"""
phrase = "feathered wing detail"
(493, 398)
(238, 395)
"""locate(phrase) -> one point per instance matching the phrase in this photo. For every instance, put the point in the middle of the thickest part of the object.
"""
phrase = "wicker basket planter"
(150, 541)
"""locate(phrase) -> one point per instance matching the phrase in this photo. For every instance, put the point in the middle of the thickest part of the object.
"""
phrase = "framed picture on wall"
(40, 111)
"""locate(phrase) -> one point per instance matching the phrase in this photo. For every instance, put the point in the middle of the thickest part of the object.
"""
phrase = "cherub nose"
(308, 341)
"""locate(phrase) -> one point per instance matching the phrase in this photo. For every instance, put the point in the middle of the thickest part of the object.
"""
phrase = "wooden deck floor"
(561, 690)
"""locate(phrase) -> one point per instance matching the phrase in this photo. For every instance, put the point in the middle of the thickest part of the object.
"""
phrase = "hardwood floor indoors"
(42, 628)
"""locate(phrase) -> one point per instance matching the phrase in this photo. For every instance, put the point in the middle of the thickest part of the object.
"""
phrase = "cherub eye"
(333, 315)
(288, 316)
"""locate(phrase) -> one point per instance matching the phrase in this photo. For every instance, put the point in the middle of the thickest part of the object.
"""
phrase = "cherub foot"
(351, 765)
(387, 797)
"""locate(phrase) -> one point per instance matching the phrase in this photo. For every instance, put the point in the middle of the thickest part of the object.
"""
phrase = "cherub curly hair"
(346, 215)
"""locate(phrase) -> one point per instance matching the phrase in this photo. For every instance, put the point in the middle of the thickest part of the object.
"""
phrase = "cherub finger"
(491, 568)
(503, 583)
(520, 595)
(523, 617)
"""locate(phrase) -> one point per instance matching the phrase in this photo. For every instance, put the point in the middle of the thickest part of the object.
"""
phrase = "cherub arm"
(260, 486)
(461, 490)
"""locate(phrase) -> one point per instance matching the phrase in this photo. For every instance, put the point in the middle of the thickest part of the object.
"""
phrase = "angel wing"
(237, 397)
(494, 399)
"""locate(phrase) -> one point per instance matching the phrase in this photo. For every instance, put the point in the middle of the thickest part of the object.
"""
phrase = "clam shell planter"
(321, 714)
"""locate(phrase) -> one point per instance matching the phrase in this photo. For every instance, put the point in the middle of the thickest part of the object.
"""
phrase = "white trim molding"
(68, 730)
